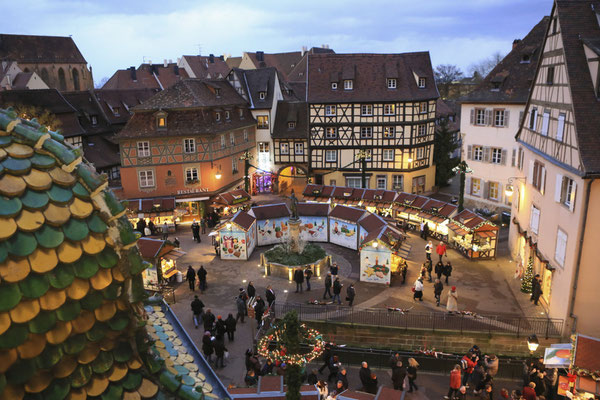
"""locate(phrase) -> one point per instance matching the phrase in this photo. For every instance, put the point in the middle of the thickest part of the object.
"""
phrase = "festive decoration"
(398, 309)
(526, 282)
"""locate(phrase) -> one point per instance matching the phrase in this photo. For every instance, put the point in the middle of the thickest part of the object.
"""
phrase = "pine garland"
(527, 280)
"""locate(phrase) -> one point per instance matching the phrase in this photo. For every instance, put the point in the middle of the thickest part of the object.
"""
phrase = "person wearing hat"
(220, 328)
(452, 304)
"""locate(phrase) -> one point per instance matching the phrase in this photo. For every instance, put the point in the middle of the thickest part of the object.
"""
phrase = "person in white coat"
(452, 304)
(418, 289)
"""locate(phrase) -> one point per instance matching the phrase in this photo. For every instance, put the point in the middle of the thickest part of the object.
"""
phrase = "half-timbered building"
(186, 142)
(556, 203)
(383, 104)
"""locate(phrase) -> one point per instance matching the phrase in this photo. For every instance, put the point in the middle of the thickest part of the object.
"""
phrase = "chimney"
(516, 43)
(260, 56)
(304, 50)
(211, 58)
(170, 61)
(133, 74)
(165, 63)
(222, 57)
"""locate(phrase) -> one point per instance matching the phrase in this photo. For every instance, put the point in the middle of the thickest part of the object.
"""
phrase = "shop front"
(229, 203)
(343, 226)
(314, 224)
(237, 237)
(473, 236)
(262, 182)
(154, 213)
(191, 208)
(379, 257)
(584, 371)
(163, 256)
(271, 223)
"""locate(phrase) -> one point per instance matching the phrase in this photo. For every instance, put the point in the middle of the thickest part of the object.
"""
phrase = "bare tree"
(101, 83)
(485, 66)
(445, 74)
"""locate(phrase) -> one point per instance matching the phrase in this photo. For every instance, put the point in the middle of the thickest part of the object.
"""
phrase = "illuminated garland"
(310, 336)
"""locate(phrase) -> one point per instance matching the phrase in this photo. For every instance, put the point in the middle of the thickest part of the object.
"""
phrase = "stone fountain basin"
(287, 271)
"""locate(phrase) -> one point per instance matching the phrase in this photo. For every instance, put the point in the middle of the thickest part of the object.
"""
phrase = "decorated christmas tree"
(526, 281)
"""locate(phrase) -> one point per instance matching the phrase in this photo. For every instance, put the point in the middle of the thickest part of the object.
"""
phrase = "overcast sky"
(116, 34)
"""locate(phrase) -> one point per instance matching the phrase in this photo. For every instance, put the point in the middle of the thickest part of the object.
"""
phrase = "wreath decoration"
(271, 347)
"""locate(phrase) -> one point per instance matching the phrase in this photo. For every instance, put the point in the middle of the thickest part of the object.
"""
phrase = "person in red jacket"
(529, 391)
(454, 383)
(441, 250)
(467, 365)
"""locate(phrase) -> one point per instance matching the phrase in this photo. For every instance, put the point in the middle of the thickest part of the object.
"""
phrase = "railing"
(546, 327)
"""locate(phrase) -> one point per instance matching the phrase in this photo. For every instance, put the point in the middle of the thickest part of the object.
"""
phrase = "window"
(392, 83)
(534, 219)
(161, 122)
(222, 141)
(381, 182)
(423, 107)
(191, 175)
(368, 155)
(560, 129)
(420, 153)
(74, 141)
(146, 178)
(143, 149)
(545, 122)
(533, 119)
(330, 133)
(117, 111)
(241, 112)
(366, 109)
(330, 156)
(217, 116)
(476, 187)
(494, 190)
(333, 85)
(356, 182)
(291, 125)
(561, 247)
(550, 76)
(496, 155)
(94, 119)
(245, 135)
(234, 165)
(525, 59)
(389, 109)
(299, 148)
(227, 116)
(330, 111)
(422, 82)
(554, 25)
(62, 82)
(499, 117)
(189, 146)
(263, 121)
(232, 138)
(389, 132)
(520, 159)
(348, 84)
(422, 130)
(332, 182)
(217, 92)
(479, 116)
(262, 95)
(263, 147)
(398, 182)
(284, 148)
(388, 154)
(538, 178)
(478, 153)
(366, 132)
(565, 191)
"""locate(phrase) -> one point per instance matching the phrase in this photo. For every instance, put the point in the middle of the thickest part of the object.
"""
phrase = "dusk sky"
(116, 34)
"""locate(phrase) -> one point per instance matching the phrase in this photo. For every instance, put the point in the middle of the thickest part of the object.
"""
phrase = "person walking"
(536, 289)
(439, 269)
(197, 309)
(350, 294)
(299, 279)
(325, 357)
(207, 346)
(438, 287)
(398, 375)
(220, 349)
(240, 304)
(422, 230)
(441, 250)
(334, 368)
(429, 268)
(403, 270)
(452, 304)
(196, 231)
(413, 366)
(447, 271)
(343, 377)
(328, 283)
(190, 275)
(334, 269)
(217, 248)
(337, 289)
(428, 250)
(220, 328)
(203, 225)
(259, 310)
(270, 296)
(467, 365)
(418, 289)
(165, 231)
(208, 320)
(202, 278)
(251, 290)
(230, 324)
(308, 273)
(455, 383)
(365, 375)
(152, 227)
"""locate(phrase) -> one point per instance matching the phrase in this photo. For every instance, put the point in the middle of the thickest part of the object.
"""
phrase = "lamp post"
(246, 157)
(509, 189)
(462, 168)
(532, 343)
(362, 156)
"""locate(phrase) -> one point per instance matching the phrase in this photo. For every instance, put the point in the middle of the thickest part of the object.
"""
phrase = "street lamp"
(509, 189)
(462, 168)
(533, 343)
(246, 157)
(362, 156)
(375, 244)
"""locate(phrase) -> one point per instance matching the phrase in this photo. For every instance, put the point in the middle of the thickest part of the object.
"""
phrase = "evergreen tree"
(291, 340)
(444, 146)
(526, 282)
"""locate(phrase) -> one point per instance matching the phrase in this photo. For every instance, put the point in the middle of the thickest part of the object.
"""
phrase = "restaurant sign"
(194, 190)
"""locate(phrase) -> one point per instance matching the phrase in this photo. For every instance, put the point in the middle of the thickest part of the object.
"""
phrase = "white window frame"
(476, 183)
(398, 182)
(146, 178)
(422, 82)
(560, 252)
(263, 147)
(330, 110)
(227, 115)
(423, 107)
(334, 85)
(223, 141)
(299, 148)
(381, 182)
(189, 146)
(533, 119)
(499, 118)
(356, 182)
(217, 116)
(545, 123)
(477, 153)
(420, 153)
(560, 128)
(422, 130)
(284, 148)
(232, 138)
(366, 110)
(389, 132)
(389, 109)
(191, 174)
(262, 95)
(330, 155)
(496, 156)
(496, 187)
(330, 132)
(366, 132)
(565, 191)
(480, 116)
(368, 155)
(143, 149)
(348, 84)
(264, 124)
(388, 154)
(291, 125)
(534, 219)
(392, 83)
(234, 165)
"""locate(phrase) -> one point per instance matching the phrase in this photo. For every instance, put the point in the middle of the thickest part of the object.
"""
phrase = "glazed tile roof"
(39, 49)
(71, 286)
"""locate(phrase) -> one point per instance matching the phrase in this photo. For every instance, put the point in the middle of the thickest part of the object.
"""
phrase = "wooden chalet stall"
(163, 256)
(408, 207)
(237, 237)
(318, 193)
(271, 223)
(379, 202)
(343, 226)
(229, 203)
(585, 366)
(436, 215)
(346, 196)
(314, 225)
(473, 235)
(159, 211)
(379, 254)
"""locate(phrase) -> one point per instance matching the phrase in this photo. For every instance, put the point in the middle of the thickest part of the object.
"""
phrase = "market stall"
(369, 223)
(346, 196)
(271, 223)
(229, 203)
(318, 193)
(585, 368)
(379, 202)
(343, 226)
(237, 236)
(436, 215)
(159, 211)
(314, 221)
(163, 256)
(473, 236)
(379, 255)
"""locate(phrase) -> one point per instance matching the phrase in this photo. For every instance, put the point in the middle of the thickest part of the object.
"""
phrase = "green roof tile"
(75, 230)
(58, 389)
(122, 352)
(49, 357)
(62, 152)
(34, 286)
(5, 141)
(34, 200)
(59, 194)
(14, 336)
(9, 207)
(97, 332)
(107, 258)
(21, 371)
(131, 381)
(170, 381)
(68, 311)
(114, 205)
(74, 344)
(49, 236)
(42, 161)
(81, 375)
(188, 393)
(42, 323)
(112, 291)
(90, 177)
(80, 191)
(16, 166)
(103, 362)
(61, 276)
(114, 392)
(3, 252)
(136, 264)
(92, 300)
(10, 295)
(85, 267)
(96, 224)
(119, 321)
(22, 244)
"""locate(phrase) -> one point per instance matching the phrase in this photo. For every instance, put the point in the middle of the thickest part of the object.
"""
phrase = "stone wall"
(413, 339)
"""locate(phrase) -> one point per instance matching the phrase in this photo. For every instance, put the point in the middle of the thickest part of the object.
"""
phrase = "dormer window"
(333, 85)
(94, 119)
(116, 111)
(217, 92)
(262, 95)
(217, 116)
(525, 59)
(348, 84)
(241, 113)
(227, 116)
(495, 86)
(161, 121)
(422, 82)
(291, 125)
(392, 83)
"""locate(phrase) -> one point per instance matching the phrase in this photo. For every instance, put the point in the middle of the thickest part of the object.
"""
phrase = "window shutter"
(486, 154)
(469, 152)
(543, 185)
(520, 118)
(503, 159)
(506, 116)
(488, 117)
(486, 190)
(558, 188)
(530, 173)
(499, 192)
(468, 185)
(514, 157)
(472, 116)
(573, 197)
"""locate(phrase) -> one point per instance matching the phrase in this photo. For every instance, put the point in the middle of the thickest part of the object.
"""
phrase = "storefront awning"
(457, 229)
(486, 234)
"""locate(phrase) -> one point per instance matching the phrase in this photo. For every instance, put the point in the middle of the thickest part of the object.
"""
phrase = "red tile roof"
(347, 213)
(40, 49)
(587, 350)
(149, 248)
(232, 197)
(147, 76)
(372, 222)
(243, 219)
(313, 209)
(203, 68)
(271, 211)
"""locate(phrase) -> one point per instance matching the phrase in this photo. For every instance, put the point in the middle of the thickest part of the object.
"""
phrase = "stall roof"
(149, 248)
(587, 349)
(152, 205)
(432, 206)
(447, 209)
(350, 214)
(243, 220)
(457, 229)
(232, 198)
(312, 190)
(356, 395)
(371, 222)
(271, 211)
(313, 209)
(348, 193)
(387, 235)
(419, 201)
(469, 219)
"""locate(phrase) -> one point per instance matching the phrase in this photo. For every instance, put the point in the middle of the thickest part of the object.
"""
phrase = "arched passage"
(291, 177)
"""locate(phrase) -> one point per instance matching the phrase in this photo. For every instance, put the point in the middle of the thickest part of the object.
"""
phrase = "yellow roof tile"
(117, 372)
(77, 394)
(18, 150)
(65, 367)
(102, 279)
(12, 185)
(69, 252)
(4, 322)
(80, 208)
(117, 274)
(131, 396)
(32, 347)
(61, 177)
(43, 260)
(25, 311)
(38, 180)
(83, 322)
(107, 344)
(93, 244)
(147, 389)
(134, 363)
(30, 221)
(3, 153)
(39, 381)
(78, 289)
(53, 299)
(122, 304)
(60, 333)
(57, 215)
(8, 227)
(96, 386)
(7, 358)
(14, 271)
(106, 311)
(88, 354)
(13, 392)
